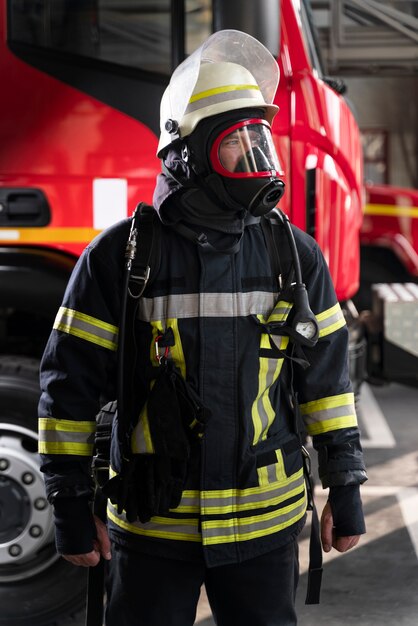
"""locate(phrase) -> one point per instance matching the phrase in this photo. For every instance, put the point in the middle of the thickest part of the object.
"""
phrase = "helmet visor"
(245, 150)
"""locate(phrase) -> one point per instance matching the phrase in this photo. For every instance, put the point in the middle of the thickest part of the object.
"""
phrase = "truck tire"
(36, 586)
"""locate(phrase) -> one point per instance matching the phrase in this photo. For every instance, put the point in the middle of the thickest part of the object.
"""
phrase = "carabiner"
(158, 356)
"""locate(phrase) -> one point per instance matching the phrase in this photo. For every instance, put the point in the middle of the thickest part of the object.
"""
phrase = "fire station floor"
(375, 583)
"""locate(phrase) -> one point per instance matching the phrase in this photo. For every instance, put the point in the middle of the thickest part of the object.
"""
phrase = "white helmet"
(231, 70)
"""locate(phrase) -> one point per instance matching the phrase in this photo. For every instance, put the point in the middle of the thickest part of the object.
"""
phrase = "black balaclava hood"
(180, 196)
(200, 196)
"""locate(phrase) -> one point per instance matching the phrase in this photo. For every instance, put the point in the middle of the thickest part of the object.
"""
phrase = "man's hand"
(101, 547)
(328, 537)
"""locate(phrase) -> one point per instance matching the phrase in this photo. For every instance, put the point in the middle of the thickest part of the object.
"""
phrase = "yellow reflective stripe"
(259, 525)
(51, 423)
(266, 495)
(60, 447)
(317, 428)
(331, 413)
(65, 436)
(280, 311)
(246, 521)
(274, 474)
(176, 351)
(329, 402)
(260, 504)
(262, 412)
(234, 494)
(159, 527)
(86, 327)
(141, 441)
(330, 320)
(223, 89)
(190, 500)
(391, 210)
(280, 471)
(332, 328)
(263, 476)
(147, 434)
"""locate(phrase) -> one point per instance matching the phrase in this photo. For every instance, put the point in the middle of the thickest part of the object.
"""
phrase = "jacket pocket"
(280, 463)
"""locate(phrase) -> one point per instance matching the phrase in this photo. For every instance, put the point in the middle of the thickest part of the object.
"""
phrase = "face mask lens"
(247, 150)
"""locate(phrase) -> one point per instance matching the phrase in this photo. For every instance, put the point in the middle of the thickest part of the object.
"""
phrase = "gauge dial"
(306, 329)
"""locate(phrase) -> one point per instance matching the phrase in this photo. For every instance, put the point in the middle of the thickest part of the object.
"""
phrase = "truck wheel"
(36, 586)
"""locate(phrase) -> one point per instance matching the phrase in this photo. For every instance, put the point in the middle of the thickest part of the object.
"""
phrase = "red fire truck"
(389, 282)
(389, 236)
(81, 82)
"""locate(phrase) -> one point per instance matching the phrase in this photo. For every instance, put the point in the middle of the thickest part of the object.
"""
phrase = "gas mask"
(234, 157)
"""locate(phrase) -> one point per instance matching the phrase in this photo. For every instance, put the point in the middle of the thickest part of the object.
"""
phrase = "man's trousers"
(144, 590)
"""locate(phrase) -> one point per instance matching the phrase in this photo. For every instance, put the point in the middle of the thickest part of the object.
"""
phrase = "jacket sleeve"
(77, 375)
(325, 394)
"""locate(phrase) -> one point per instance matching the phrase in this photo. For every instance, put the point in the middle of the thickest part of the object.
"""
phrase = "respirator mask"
(234, 158)
(245, 156)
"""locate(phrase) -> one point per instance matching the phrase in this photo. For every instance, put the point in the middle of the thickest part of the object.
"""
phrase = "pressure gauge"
(307, 329)
(305, 325)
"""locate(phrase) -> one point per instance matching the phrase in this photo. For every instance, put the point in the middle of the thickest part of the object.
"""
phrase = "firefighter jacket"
(245, 491)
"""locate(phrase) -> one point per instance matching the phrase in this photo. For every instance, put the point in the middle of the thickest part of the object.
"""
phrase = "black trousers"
(144, 590)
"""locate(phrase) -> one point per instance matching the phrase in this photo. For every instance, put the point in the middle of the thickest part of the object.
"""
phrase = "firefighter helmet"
(230, 71)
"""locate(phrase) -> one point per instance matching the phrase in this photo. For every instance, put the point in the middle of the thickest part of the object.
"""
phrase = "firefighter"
(215, 313)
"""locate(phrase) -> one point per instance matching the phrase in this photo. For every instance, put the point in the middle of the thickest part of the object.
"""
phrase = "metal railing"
(368, 35)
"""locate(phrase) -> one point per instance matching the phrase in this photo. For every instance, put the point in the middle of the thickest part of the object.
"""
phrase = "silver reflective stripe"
(66, 437)
(268, 380)
(271, 473)
(189, 503)
(280, 311)
(245, 528)
(331, 413)
(159, 527)
(330, 320)
(206, 305)
(86, 327)
(226, 96)
(232, 500)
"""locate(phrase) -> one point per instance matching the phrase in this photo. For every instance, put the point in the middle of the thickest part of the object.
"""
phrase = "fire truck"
(388, 237)
(388, 294)
(79, 125)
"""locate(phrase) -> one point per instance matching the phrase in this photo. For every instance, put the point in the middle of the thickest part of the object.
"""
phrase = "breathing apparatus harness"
(148, 482)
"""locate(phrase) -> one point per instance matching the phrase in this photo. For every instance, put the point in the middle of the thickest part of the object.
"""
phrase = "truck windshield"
(311, 37)
(130, 33)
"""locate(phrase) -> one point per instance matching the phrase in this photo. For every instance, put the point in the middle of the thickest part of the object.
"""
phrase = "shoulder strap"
(147, 257)
(141, 265)
(278, 247)
(280, 253)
